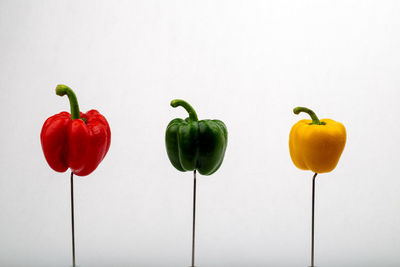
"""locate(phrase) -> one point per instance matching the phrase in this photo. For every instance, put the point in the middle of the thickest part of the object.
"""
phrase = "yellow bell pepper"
(315, 144)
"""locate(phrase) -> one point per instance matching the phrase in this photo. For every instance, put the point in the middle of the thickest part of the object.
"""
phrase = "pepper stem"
(62, 90)
(178, 102)
(314, 117)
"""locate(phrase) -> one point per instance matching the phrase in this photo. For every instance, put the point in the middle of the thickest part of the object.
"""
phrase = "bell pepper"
(78, 141)
(195, 145)
(315, 144)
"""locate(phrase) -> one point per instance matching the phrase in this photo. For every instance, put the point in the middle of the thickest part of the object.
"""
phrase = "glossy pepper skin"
(316, 145)
(195, 145)
(78, 141)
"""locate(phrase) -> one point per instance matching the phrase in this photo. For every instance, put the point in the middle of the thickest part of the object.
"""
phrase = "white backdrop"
(247, 63)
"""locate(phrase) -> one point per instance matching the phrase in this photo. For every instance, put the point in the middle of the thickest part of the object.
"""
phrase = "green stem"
(62, 90)
(178, 102)
(314, 117)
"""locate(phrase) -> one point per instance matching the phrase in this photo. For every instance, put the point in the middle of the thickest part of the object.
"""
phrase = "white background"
(247, 63)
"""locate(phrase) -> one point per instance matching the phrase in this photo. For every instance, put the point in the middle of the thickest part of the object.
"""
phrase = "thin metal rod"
(194, 216)
(72, 219)
(312, 220)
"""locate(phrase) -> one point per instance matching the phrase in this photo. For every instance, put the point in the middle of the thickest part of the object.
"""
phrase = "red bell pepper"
(78, 141)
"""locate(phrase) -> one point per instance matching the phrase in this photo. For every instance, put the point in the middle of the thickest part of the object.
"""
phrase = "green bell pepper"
(193, 144)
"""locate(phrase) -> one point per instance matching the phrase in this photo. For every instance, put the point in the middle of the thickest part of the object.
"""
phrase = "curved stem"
(178, 102)
(62, 90)
(313, 116)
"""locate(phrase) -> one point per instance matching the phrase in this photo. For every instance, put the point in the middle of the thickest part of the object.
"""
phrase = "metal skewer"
(194, 217)
(72, 219)
(312, 220)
